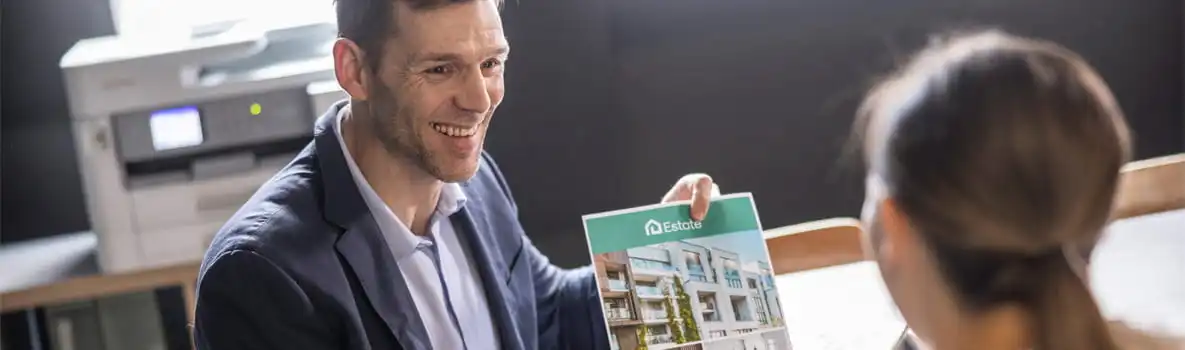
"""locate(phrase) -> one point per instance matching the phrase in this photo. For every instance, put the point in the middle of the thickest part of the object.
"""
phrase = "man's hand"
(699, 188)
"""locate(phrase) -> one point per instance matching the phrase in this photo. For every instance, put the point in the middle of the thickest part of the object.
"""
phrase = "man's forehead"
(465, 26)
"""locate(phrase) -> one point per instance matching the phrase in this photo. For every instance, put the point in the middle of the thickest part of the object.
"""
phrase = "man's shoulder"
(282, 221)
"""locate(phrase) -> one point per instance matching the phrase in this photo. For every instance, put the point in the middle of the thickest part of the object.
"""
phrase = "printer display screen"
(176, 128)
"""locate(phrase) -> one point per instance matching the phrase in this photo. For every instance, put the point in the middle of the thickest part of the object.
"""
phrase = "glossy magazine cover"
(669, 282)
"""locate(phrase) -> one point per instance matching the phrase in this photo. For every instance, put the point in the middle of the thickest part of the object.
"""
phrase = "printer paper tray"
(196, 202)
(177, 245)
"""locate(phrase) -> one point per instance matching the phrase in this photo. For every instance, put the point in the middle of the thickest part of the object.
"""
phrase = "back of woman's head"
(1002, 152)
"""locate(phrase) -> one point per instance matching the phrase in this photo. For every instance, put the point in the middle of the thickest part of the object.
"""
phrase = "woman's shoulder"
(1130, 338)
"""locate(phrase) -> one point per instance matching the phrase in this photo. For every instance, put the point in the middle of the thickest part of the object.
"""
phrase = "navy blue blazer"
(303, 266)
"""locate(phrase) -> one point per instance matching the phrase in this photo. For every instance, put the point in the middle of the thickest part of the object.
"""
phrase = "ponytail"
(1065, 315)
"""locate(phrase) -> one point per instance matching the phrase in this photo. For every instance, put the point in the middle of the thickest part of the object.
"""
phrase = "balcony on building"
(649, 292)
(619, 314)
(650, 270)
(615, 284)
(696, 273)
(620, 311)
(743, 312)
(651, 315)
(732, 278)
(650, 263)
(732, 274)
(707, 305)
(618, 285)
(614, 261)
(659, 339)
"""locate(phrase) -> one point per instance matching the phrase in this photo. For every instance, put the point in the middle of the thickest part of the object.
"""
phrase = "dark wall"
(769, 87)
(760, 94)
(41, 187)
(557, 136)
(610, 101)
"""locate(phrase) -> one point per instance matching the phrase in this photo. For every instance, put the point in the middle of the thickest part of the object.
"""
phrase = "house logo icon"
(653, 228)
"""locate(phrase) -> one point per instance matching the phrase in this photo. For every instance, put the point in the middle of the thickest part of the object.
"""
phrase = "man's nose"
(474, 95)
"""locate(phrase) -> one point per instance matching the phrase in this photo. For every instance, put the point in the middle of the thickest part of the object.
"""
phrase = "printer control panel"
(213, 126)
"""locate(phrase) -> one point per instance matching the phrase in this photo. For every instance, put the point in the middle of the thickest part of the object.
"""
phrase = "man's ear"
(350, 68)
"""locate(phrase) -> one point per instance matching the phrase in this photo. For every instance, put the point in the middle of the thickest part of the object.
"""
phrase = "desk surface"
(1135, 274)
(47, 260)
(64, 268)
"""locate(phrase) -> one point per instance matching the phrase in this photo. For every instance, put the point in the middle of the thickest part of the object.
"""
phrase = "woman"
(992, 160)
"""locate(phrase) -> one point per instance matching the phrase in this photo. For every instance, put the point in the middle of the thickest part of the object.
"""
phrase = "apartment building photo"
(660, 296)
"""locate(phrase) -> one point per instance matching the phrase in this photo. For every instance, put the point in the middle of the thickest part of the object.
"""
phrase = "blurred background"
(608, 101)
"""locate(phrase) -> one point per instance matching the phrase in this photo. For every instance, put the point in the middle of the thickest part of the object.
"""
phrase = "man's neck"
(407, 190)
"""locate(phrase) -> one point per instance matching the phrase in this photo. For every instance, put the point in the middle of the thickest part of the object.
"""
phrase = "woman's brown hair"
(1004, 152)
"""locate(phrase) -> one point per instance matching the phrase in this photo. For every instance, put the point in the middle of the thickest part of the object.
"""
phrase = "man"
(394, 229)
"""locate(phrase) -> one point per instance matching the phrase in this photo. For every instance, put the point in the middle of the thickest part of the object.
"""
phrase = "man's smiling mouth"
(455, 130)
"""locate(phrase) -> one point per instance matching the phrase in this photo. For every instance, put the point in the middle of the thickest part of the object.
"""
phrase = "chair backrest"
(814, 245)
(1147, 186)
(1150, 186)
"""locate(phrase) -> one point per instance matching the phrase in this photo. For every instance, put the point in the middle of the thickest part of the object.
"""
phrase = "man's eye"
(438, 70)
(490, 64)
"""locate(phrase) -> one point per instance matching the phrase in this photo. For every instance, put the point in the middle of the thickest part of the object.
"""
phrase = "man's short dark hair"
(370, 22)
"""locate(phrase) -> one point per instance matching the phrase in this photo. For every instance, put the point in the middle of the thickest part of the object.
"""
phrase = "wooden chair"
(1151, 186)
(814, 245)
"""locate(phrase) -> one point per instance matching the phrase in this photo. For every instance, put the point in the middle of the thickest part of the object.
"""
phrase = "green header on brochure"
(629, 228)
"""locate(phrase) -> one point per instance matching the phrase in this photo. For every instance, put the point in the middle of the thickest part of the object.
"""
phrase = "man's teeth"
(454, 131)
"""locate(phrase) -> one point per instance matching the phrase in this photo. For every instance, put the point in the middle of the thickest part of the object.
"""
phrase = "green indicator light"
(256, 109)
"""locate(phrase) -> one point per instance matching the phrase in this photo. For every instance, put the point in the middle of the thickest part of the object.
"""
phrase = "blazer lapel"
(364, 249)
(362, 244)
(471, 222)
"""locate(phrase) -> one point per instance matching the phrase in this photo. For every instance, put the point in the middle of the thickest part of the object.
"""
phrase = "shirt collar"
(398, 236)
(452, 199)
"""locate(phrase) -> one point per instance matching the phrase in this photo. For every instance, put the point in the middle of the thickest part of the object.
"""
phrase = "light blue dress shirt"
(442, 280)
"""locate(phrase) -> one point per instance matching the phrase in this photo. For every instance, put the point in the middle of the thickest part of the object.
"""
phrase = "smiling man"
(394, 229)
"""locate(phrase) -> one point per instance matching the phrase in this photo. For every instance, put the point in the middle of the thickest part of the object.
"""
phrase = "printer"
(174, 135)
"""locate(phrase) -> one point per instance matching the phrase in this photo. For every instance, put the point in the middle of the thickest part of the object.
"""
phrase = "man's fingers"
(701, 196)
(677, 193)
(699, 188)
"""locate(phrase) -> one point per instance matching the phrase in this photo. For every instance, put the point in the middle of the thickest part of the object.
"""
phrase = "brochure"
(669, 282)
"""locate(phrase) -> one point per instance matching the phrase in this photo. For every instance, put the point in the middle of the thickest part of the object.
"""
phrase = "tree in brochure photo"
(669, 282)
